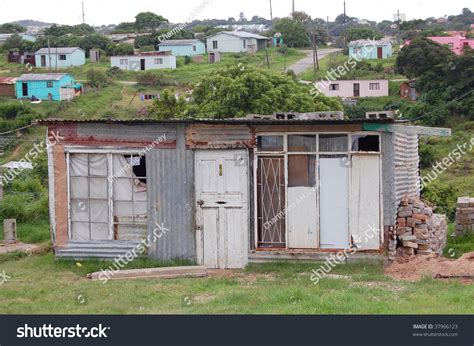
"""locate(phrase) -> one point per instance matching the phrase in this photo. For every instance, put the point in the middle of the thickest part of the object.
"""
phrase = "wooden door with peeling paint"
(222, 208)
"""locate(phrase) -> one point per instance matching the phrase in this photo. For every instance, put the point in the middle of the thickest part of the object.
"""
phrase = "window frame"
(215, 44)
(110, 174)
(158, 61)
(374, 86)
(49, 84)
(334, 87)
(62, 57)
(123, 62)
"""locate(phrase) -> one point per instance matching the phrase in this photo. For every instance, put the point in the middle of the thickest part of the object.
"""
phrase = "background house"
(370, 49)
(21, 57)
(353, 88)
(236, 41)
(183, 47)
(455, 43)
(144, 61)
(47, 86)
(60, 57)
(7, 86)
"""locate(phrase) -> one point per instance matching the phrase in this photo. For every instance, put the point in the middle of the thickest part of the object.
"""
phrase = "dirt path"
(307, 62)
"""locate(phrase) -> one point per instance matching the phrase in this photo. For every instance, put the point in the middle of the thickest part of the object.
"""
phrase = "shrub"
(187, 60)
(97, 78)
(114, 72)
(12, 111)
(443, 195)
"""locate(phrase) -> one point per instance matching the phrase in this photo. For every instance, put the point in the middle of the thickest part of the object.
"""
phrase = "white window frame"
(158, 61)
(374, 86)
(285, 153)
(110, 189)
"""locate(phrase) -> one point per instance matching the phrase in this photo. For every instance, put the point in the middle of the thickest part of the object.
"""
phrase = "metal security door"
(222, 208)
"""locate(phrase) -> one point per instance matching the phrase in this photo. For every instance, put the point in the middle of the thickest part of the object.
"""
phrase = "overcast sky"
(100, 12)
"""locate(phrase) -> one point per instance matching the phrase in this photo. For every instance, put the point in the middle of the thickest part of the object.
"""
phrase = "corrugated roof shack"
(224, 191)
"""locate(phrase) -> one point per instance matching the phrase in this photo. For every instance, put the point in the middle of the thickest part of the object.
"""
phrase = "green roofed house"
(370, 49)
(183, 47)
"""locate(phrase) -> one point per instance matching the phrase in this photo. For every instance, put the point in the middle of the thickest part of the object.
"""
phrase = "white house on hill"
(236, 41)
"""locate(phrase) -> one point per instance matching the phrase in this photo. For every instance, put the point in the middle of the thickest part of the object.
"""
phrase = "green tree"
(294, 33)
(149, 21)
(363, 33)
(169, 106)
(11, 28)
(97, 78)
(237, 91)
(421, 56)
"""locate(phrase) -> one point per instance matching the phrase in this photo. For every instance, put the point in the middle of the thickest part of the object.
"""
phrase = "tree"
(363, 33)
(13, 42)
(420, 56)
(294, 33)
(236, 92)
(301, 16)
(119, 49)
(11, 28)
(97, 78)
(149, 21)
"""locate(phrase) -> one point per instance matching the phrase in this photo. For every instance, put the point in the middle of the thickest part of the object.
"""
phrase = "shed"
(47, 86)
(183, 47)
(236, 41)
(223, 192)
(370, 49)
(60, 57)
(19, 57)
(7, 86)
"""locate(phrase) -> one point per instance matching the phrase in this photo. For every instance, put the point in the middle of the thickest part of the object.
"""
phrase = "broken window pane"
(301, 143)
(333, 143)
(270, 143)
(301, 170)
(365, 143)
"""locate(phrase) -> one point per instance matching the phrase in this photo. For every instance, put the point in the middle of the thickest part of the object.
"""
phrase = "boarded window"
(270, 143)
(302, 143)
(365, 143)
(333, 143)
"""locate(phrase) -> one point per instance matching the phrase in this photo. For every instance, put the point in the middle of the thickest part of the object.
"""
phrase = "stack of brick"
(418, 230)
(465, 216)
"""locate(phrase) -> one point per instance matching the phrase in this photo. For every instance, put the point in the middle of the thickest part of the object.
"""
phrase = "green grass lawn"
(41, 285)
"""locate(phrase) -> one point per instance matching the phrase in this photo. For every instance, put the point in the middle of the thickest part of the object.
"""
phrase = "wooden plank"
(154, 273)
(408, 130)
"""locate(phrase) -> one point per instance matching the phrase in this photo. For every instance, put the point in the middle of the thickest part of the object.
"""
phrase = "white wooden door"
(222, 208)
(334, 203)
(365, 202)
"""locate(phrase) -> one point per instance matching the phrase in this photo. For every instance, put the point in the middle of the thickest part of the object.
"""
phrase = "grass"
(31, 233)
(458, 245)
(42, 285)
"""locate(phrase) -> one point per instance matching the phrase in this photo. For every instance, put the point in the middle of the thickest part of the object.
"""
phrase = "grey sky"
(100, 12)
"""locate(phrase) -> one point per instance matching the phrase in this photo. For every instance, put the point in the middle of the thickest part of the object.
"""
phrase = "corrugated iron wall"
(407, 161)
(171, 196)
(388, 179)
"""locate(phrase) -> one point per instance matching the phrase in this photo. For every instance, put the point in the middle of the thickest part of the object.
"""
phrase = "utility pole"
(327, 24)
(345, 26)
(271, 13)
(315, 53)
(293, 7)
(399, 27)
(49, 54)
(83, 14)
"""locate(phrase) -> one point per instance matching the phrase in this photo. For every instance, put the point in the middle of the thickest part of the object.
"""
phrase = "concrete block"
(404, 213)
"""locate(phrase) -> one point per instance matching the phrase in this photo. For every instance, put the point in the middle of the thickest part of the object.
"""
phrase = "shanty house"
(47, 86)
(236, 41)
(21, 57)
(183, 47)
(60, 57)
(144, 61)
(353, 88)
(7, 86)
(223, 192)
(370, 49)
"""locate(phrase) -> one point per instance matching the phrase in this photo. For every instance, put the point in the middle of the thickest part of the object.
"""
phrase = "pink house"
(352, 88)
(455, 43)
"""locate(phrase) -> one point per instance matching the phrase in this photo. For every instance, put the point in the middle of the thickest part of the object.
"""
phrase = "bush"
(152, 79)
(443, 195)
(114, 72)
(187, 60)
(97, 78)
(11, 111)
(427, 156)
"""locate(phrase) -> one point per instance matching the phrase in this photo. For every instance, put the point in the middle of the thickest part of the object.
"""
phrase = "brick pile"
(418, 230)
(465, 216)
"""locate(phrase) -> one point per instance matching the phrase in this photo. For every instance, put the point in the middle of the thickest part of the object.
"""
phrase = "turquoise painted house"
(60, 57)
(47, 86)
(183, 47)
(370, 49)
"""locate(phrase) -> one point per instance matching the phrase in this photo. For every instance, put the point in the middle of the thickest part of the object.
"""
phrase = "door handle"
(200, 202)
(221, 202)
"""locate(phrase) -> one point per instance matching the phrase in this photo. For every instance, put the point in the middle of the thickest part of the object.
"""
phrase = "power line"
(435, 110)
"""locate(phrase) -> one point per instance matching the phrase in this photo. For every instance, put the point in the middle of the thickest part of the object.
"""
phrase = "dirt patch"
(381, 285)
(415, 267)
(20, 247)
(243, 278)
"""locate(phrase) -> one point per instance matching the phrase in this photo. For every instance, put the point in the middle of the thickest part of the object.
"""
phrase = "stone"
(408, 208)
(421, 242)
(407, 237)
(416, 210)
(466, 210)
(404, 213)
(410, 244)
(418, 216)
(403, 230)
